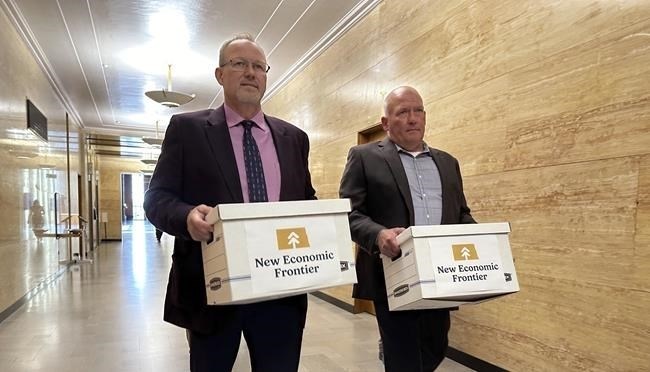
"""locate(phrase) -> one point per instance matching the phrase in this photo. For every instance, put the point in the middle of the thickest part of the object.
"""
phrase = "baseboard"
(471, 361)
(39, 287)
(454, 354)
(334, 301)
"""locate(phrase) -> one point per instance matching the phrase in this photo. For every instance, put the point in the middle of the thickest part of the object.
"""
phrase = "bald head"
(396, 94)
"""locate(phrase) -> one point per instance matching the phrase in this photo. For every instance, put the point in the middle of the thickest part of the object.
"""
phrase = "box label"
(466, 264)
(292, 253)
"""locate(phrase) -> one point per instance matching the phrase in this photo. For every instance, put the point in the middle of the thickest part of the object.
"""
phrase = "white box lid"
(453, 230)
(241, 211)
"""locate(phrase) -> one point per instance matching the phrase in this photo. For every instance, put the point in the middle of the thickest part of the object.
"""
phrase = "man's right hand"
(387, 242)
(197, 227)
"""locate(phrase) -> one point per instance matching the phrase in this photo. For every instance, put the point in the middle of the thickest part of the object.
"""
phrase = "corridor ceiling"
(103, 55)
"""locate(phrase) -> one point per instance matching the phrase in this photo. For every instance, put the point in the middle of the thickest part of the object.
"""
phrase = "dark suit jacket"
(375, 181)
(197, 166)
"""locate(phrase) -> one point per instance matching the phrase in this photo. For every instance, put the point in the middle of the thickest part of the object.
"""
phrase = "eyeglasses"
(239, 64)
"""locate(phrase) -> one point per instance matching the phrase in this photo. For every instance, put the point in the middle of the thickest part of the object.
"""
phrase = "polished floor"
(107, 316)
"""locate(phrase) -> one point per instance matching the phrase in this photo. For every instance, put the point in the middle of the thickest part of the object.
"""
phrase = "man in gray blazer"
(393, 184)
(232, 154)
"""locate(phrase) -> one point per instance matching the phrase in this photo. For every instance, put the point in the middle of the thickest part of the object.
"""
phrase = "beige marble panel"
(557, 324)
(642, 228)
(24, 265)
(546, 106)
(379, 33)
(595, 106)
(446, 47)
(505, 117)
(570, 221)
(580, 277)
(342, 292)
(327, 167)
(26, 261)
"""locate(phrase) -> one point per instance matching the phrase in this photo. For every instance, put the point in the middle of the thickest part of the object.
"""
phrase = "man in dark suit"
(394, 184)
(232, 154)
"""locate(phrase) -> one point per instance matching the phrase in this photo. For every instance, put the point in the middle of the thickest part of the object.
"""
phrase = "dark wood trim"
(364, 306)
(364, 134)
(454, 354)
(334, 301)
(471, 361)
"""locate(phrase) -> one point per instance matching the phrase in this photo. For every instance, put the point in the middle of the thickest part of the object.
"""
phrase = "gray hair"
(240, 36)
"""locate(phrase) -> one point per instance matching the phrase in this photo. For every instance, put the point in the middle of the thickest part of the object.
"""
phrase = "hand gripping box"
(450, 265)
(261, 251)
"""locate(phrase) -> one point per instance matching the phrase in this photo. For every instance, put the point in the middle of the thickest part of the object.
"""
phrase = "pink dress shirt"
(264, 139)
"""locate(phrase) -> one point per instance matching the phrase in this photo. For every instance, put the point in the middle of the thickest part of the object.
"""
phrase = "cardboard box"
(262, 251)
(450, 265)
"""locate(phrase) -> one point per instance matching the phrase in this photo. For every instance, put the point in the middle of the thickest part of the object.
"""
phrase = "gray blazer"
(375, 181)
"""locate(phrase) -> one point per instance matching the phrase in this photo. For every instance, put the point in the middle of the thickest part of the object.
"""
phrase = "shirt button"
(427, 216)
(425, 195)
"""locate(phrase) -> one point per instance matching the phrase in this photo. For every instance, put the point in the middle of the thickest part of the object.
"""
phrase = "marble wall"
(547, 107)
(32, 170)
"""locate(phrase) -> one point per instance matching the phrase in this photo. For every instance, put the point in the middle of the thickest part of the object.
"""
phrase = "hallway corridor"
(107, 316)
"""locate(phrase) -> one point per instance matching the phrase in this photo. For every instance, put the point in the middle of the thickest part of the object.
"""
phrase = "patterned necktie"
(253, 163)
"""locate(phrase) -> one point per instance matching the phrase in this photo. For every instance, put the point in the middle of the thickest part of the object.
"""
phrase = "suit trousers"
(413, 340)
(273, 333)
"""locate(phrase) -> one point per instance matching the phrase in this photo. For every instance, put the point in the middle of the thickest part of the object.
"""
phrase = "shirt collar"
(233, 118)
(425, 149)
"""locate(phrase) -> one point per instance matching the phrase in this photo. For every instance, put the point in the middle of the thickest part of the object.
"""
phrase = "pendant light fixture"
(168, 97)
(153, 141)
(155, 144)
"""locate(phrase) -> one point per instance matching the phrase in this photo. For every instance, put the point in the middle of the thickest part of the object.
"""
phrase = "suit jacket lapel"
(390, 154)
(282, 143)
(224, 156)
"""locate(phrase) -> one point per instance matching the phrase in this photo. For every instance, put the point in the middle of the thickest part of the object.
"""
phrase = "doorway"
(134, 219)
(133, 188)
